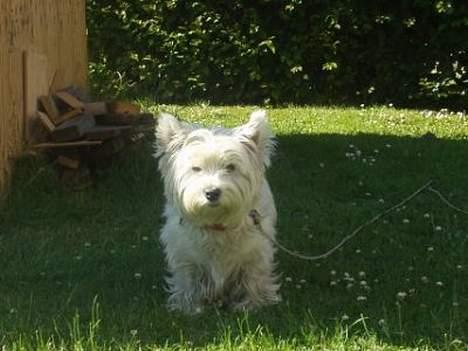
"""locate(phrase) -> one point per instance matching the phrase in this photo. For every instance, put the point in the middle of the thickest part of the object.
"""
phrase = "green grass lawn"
(83, 270)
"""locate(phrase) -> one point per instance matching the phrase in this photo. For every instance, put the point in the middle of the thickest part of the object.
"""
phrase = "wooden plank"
(12, 110)
(70, 100)
(68, 115)
(74, 128)
(36, 84)
(50, 108)
(45, 121)
(66, 144)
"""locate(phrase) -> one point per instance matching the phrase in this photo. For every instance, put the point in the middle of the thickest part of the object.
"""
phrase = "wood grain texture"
(55, 29)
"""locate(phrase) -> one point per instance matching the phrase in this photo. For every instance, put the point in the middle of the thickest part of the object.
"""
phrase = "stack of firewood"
(82, 135)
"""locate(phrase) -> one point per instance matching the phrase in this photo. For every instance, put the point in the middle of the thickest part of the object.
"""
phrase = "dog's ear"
(257, 130)
(170, 133)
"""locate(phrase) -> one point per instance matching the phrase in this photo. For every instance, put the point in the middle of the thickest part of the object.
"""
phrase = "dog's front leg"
(257, 286)
(184, 287)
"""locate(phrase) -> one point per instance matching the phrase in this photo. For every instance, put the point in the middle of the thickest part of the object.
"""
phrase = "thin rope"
(447, 202)
(354, 232)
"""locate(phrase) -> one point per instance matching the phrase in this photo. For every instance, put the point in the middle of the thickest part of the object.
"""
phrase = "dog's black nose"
(212, 194)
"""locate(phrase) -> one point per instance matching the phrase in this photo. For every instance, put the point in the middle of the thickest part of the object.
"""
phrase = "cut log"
(70, 100)
(96, 108)
(124, 107)
(120, 119)
(74, 128)
(68, 162)
(76, 92)
(105, 132)
(45, 121)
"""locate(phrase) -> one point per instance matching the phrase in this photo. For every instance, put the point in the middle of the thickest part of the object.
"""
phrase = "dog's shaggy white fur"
(219, 207)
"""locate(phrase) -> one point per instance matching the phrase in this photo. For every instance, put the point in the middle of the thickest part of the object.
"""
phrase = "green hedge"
(282, 51)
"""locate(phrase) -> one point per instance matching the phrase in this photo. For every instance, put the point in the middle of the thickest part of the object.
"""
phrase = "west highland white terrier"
(220, 214)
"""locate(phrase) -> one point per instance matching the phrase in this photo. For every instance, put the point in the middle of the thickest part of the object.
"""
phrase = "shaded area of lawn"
(403, 279)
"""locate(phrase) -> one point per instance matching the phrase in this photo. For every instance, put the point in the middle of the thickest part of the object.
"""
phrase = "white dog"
(219, 214)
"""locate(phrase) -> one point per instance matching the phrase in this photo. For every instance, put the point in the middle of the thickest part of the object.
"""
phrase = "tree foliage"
(282, 51)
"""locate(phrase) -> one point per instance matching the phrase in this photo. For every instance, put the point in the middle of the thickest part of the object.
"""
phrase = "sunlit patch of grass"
(84, 270)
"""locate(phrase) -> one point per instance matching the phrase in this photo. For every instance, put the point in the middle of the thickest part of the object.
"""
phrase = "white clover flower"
(455, 304)
(344, 317)
(438, 228)
(87, 244)
(288, 279)
(406, 220)
(424, 279)
(78, 257)
(381, 201)
(349, 286)
(358, 251)
(361, 298)
(362, 274)
(401, 295)
(427, 215)
(298, 286)
(363, 283)
(410, 268)
(459, 267)
(388, 146)
(144, 238)
(137, 275)
(381, 322)
(133, 332)
(430, 249)
(322, 165)
(332, 272)
(302, 281)
(439, 283)
(333, 283)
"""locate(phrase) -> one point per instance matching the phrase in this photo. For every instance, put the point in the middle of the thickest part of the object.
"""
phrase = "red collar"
(216, 227)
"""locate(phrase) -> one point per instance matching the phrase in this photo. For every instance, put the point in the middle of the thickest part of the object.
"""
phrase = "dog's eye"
(196, 169)
(230, 167)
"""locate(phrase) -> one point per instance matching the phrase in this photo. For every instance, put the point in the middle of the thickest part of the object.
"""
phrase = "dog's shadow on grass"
(400, 279)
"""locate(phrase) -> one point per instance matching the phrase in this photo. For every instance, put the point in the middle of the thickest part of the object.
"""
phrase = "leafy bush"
(281, 51)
